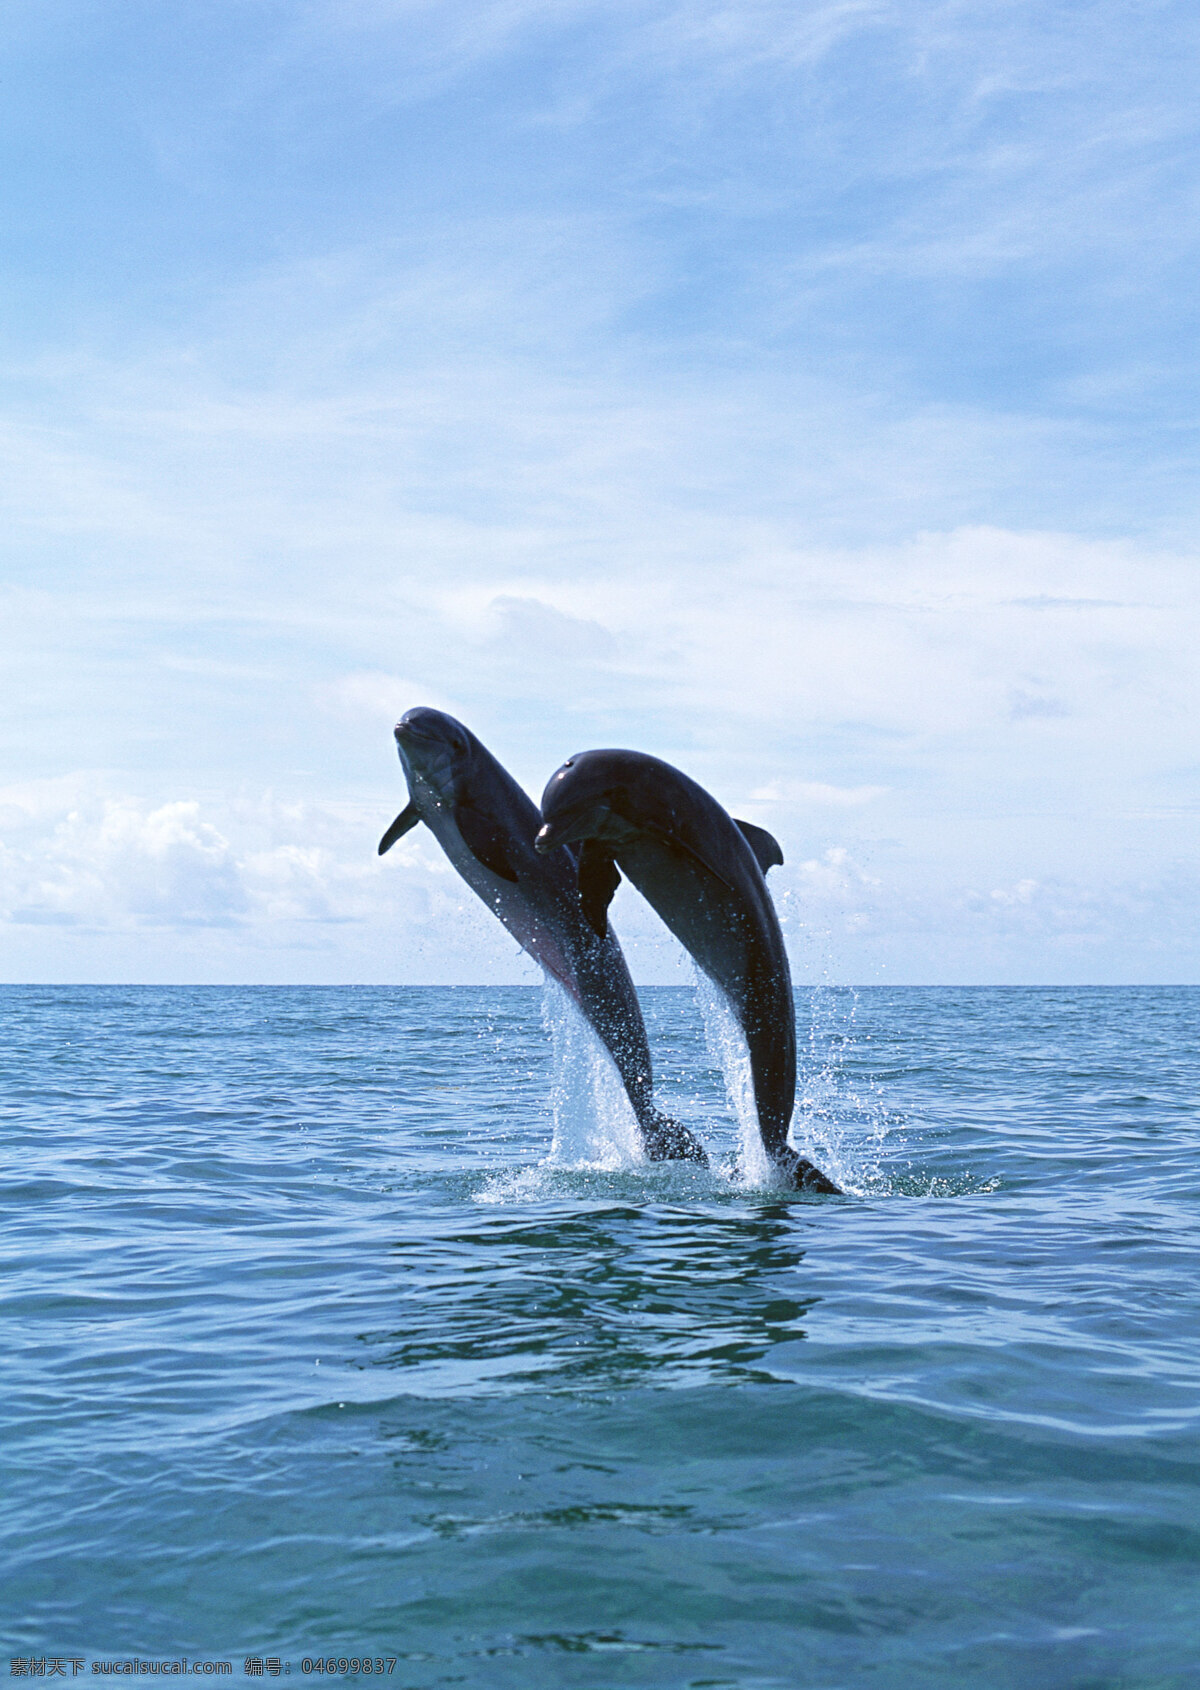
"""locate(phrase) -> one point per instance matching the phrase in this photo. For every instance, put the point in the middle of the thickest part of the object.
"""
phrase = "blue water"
(312, 1346)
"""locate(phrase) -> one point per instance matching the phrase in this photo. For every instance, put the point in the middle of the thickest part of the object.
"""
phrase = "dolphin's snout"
(409, 725)
(544, 841)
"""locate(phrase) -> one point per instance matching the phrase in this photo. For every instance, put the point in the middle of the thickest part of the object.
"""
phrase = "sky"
(804, 393)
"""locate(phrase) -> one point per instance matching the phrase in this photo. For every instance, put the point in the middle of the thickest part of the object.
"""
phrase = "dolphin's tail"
(670, 1141)
(802, 1175)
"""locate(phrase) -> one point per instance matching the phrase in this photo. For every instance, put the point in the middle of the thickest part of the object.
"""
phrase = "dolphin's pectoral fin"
(764, 845)
(408, 817)
(598, 879)
(688, 854)
(485, 839)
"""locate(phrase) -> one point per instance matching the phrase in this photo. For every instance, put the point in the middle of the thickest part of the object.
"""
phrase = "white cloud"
(115, 862)
(816, 792)
(370, 694)
(252, 882)
(256, 889)
(537, 632)
(834, 878)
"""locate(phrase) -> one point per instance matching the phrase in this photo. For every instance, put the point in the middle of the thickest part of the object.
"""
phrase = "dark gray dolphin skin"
(705, 875)
(486, 825)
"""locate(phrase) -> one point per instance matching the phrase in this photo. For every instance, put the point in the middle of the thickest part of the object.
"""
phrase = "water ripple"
(332, 1325)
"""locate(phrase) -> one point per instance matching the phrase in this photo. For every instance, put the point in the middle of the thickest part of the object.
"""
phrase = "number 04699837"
(340, 1665)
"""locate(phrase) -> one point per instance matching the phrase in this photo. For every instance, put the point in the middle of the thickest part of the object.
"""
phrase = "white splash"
(728, 1050)
(844, 1125)
(594, 1123)
(514, 1185)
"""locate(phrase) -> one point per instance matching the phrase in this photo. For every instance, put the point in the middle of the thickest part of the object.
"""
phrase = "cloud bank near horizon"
(283, 893)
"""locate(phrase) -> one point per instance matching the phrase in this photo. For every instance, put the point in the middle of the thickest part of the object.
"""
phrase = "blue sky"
(802, 392)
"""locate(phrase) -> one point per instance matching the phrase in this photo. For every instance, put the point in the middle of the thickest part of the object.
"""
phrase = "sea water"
(345, 1325)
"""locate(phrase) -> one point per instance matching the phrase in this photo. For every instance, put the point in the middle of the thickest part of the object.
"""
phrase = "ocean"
(344, 1335)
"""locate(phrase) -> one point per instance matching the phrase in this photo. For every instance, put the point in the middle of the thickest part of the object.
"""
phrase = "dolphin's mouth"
(553, 834)
(581, 821)
(425, 757)
(420, 747)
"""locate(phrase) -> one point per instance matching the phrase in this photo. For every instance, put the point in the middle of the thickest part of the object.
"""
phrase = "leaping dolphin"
(486, 824)
(705, 875)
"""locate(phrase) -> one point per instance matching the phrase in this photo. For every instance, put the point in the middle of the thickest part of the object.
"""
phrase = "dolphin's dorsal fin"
(764, 845)
(485, 838)
(598, 879)
(408, 817)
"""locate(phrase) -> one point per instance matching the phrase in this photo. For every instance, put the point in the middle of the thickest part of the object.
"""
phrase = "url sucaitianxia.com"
(252, 1666)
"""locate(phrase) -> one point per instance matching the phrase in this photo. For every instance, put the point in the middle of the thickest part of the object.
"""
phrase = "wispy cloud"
(801, 391)
(816, 792)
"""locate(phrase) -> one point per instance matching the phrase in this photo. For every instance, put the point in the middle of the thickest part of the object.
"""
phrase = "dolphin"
(705, 874)
(486, 824)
